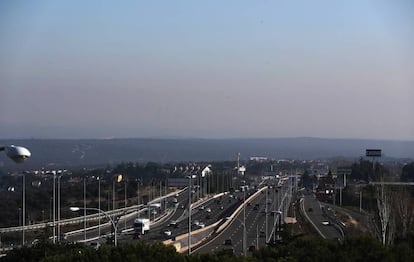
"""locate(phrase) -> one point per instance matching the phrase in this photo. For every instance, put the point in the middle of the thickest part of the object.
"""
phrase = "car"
(95, 245)
(252, 248)
(208, 210)
(167, 232)
(221, 207)
(182, 206)
(172, 223)
(35, 241)
(201, 224)
(326, 223)
(228, 242)
(201, 208)
(196, 222)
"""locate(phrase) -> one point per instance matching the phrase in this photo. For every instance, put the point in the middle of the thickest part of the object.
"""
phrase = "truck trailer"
(141, 225)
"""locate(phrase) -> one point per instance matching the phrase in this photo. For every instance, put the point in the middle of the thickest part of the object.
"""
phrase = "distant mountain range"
(89, 152)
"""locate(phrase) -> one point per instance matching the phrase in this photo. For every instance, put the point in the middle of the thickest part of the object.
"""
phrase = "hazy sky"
(207, 69)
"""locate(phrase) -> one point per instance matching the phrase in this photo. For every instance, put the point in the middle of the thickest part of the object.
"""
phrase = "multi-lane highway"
(317, 216)
(175, 220)
(260, 216)
(126, 222)
(204, 214)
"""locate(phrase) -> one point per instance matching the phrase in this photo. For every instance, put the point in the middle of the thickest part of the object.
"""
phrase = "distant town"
(236, 206)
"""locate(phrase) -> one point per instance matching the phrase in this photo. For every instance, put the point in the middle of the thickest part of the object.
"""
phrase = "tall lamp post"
(54, 207)
(189, 212)
(99, 206)
(19, 154)
(138, 183)
(244, 218)
(58, 209)
(75, 209)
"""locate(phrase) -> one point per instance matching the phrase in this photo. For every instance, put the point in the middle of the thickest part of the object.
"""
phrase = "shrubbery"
(301, 249)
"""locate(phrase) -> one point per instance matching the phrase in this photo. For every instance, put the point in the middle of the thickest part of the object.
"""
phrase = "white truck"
(141, 225)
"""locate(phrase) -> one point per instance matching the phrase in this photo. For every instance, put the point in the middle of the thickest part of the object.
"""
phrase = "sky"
(207, 69)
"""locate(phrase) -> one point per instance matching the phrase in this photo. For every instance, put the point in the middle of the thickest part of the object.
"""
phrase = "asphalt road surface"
(257, 212)
(314, 211)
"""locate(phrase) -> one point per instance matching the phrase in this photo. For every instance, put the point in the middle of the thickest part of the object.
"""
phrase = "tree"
(404, 210)
(408, 172)
(384, 213)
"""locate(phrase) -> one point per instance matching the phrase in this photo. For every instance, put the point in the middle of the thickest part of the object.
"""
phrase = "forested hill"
(51, 152)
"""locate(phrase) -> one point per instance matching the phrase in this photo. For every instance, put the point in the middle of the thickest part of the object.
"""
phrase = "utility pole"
(54, 207)
(244, 220)
(24, 207)
(113, 197)
(99, 207)
(84, 208)
(266, 211)
(58, 209)
(189, 215)
(125, 203)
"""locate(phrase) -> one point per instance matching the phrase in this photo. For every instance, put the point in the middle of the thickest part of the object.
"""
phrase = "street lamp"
(279, 224)
(244, 218)
(54, 207)
(19, 154)
(76, 209)
(189, 212)
(99, 205)
(58, 209)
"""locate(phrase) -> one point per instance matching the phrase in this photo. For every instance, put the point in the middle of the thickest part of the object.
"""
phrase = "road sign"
(373, 152)
(344, 170)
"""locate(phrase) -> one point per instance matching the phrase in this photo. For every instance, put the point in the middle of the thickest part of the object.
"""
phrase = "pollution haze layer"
(52, 153)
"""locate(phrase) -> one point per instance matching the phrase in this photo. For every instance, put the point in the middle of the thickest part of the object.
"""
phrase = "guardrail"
(236, 212)
(302, 208)
(287, 196)
(209, 227)
(91, 217)
(75, 220)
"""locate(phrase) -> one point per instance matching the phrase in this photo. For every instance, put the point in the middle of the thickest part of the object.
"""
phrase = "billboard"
(344, 170)
(373, 152)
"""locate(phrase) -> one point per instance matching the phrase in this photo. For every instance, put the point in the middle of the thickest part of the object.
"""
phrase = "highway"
(260, 220)
(209, 212)
(199, 215)
(231, 238)
(126, 222)
(314, 212)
